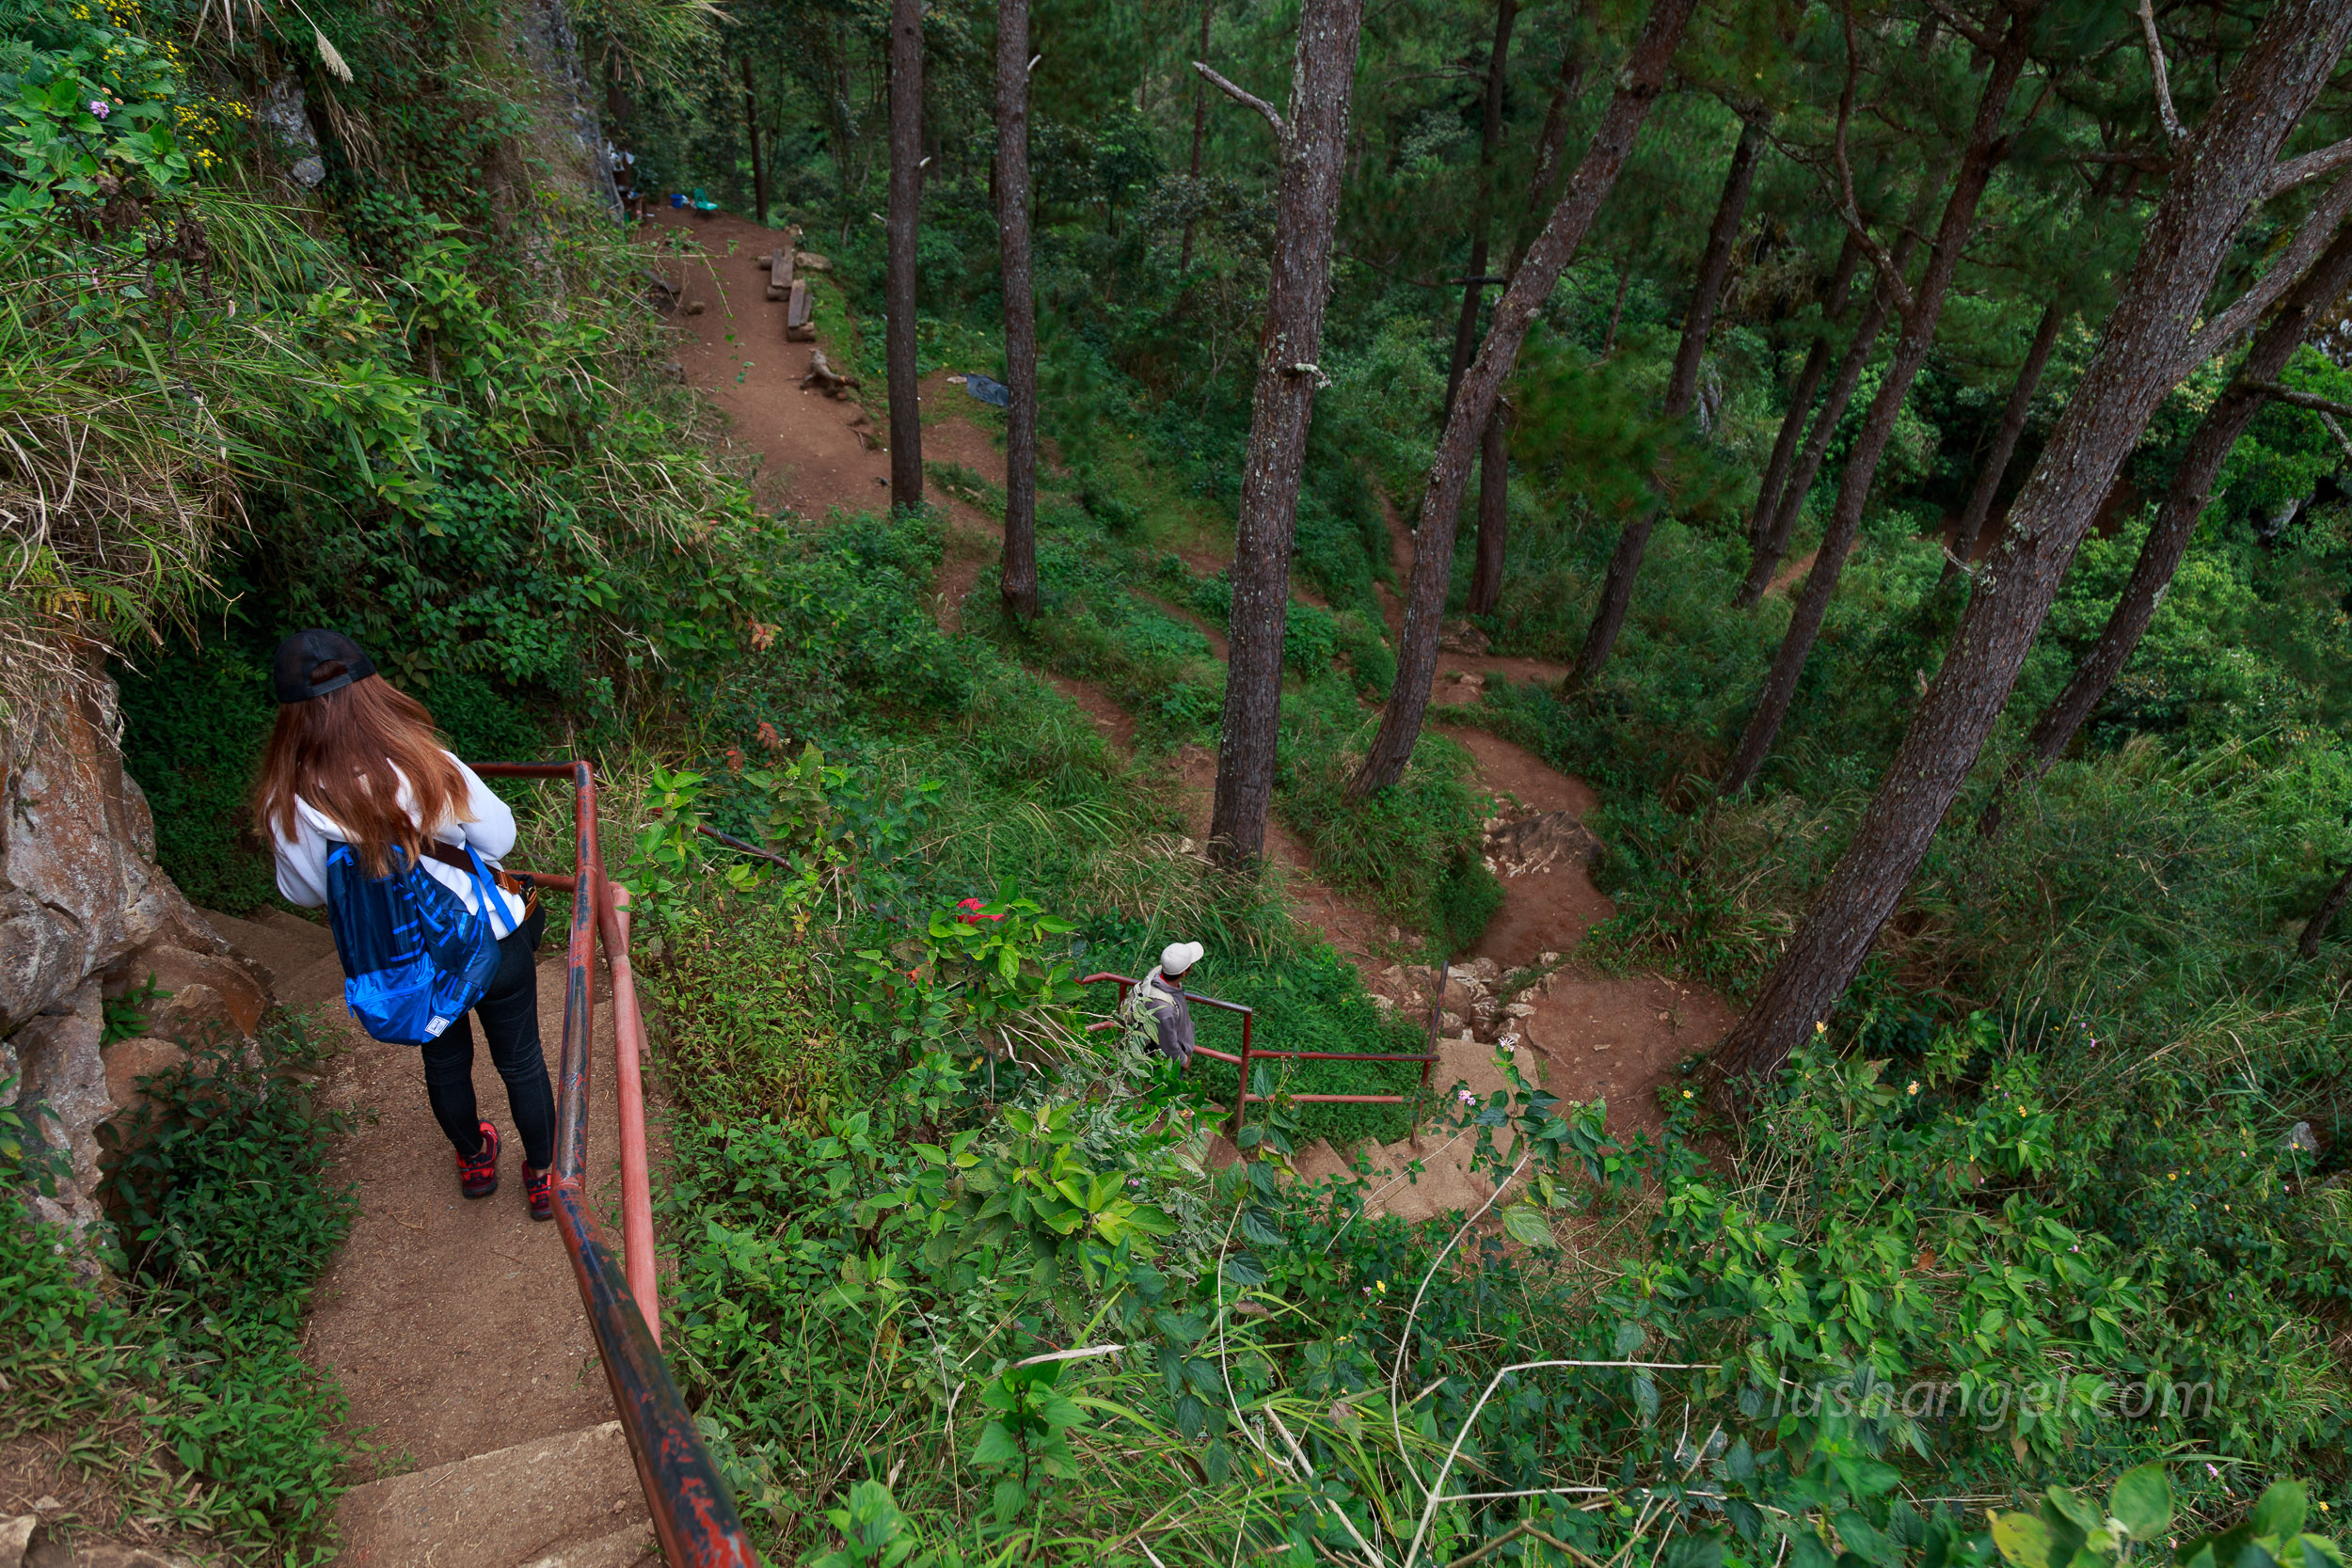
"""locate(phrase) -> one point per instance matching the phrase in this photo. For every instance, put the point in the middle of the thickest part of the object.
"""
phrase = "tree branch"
(1966, 29)
(2166, 115)
(2310, 166)
(1244, 98)
(2146, 162)
(1850, 209)
(2311, 401)
(2316, 232)
(2337, 431)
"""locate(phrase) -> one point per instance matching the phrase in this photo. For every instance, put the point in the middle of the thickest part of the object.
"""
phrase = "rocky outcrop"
(79, 887)
(87, 916)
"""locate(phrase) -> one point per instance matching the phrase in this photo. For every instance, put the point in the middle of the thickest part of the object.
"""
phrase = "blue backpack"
(414, 957)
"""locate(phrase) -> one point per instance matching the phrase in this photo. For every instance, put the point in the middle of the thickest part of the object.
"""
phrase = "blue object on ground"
(678, 199)
(989, 392)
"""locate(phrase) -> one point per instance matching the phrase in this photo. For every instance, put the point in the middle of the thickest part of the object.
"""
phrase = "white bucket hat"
(1177, 956)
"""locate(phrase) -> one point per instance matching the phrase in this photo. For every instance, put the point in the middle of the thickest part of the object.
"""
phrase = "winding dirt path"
(1581, 1036)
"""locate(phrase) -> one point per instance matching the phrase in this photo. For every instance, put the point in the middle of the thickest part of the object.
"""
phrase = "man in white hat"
(1159, 1001)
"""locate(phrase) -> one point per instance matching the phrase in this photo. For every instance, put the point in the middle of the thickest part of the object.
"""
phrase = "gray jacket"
(1171, 1018)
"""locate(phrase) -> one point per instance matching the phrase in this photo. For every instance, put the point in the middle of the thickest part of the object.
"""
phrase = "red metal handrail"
(1243, 1098)
(694, 1517)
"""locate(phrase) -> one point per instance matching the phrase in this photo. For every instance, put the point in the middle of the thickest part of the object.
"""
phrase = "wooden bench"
(799, 315)
(779, 265)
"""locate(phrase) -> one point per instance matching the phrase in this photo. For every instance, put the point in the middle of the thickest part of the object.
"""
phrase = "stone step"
(285, 944)
(626, 1548)
(566, 1501)
(318, 983)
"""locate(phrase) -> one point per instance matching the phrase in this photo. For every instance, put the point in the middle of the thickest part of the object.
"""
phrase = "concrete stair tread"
(283, 943)
(622, 1549)
(320, 981)
(570, 1500)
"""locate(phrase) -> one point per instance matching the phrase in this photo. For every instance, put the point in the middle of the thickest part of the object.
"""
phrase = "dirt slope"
(1582, 1036)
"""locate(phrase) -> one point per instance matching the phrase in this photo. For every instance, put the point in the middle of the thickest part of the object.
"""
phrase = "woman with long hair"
(355, 761)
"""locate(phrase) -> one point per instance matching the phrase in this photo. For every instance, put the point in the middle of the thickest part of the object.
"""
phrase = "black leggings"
(510, 1019)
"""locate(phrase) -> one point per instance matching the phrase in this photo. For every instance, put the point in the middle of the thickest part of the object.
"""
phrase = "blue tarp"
(988, 391)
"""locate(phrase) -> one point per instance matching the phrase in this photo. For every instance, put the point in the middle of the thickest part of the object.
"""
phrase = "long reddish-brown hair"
(345, 753)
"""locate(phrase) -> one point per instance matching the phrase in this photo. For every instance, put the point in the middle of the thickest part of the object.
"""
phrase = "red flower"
(973, 914)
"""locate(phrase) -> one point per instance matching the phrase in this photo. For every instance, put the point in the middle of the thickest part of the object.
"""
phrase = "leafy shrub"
(1416, 844)
(64, 1343)
(218, 1177)
(228, 1223)
(217, 1181)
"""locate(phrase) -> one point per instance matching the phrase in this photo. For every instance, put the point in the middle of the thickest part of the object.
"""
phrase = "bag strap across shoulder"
(469, 862)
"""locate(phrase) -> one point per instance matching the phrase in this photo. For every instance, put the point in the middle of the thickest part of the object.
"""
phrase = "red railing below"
(1243, 1098)
(694, 1517)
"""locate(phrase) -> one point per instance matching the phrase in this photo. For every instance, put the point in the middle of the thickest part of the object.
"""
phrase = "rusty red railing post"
(694, 1519)
(629, 1041)
(1241, 1095)
(1428, 1063)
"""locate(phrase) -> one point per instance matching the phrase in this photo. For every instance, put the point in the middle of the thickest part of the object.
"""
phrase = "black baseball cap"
(294, 673)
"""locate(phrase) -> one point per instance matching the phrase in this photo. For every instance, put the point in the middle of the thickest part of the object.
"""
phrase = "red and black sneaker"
(539, 1186)
(479, 1176)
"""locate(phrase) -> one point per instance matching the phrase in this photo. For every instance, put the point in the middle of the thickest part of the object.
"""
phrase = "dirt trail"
(1582, 1036)
(453, 1328)
(815, 452)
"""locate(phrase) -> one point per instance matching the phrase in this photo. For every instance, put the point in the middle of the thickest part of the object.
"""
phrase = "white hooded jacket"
(302, 859)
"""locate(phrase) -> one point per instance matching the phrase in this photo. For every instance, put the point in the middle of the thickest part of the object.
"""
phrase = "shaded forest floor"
(1581, 1036)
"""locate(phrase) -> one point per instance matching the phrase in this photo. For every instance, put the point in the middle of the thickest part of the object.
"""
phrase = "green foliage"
(872, 1530)
(191, 1386)
(65, 1345)
(1025, 1435)
(2066, 1529)
(219, 1179)
(87, 112)
(1417, 844)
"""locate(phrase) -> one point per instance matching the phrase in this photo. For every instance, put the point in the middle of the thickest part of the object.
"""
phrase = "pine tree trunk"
(1706, 292)
(1912, 348)
(1766, 560)
(1800, 393)
(906, 203)
(1639, 81)
(2315, 929)
(1494, 511)
(1313, 143)
(2138, 361)
(1789, 509)
(1019, 588)
(1550, 142)
(1625, 564)
(1493, 459)
(2012, 425)
(1850, 374)
(1483, 208)
(1199, 128)
(751, 134)
(2168, 540)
